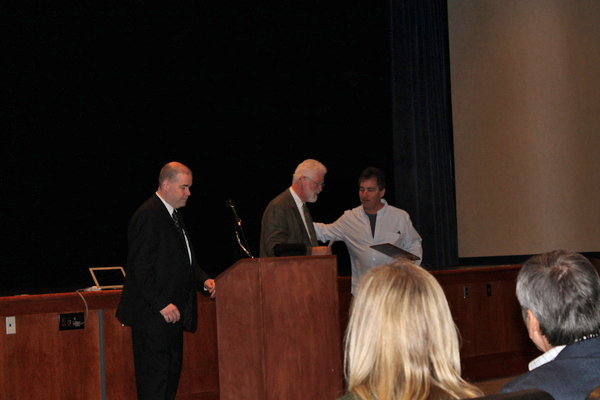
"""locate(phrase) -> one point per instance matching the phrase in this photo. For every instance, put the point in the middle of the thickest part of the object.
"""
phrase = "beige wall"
(526, 111)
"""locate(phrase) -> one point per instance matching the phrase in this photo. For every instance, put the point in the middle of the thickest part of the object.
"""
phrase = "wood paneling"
(494, 341)
(40, 361)
(200, 373)
(118, 355)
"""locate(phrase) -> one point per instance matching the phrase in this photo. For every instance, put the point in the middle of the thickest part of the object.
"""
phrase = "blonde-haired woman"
(401, 341)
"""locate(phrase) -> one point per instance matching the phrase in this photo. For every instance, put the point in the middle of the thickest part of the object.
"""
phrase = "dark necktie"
(309, 224)
(178, 223)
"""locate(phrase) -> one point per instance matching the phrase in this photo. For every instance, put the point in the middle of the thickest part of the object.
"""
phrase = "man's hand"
(171, 313)
(209, 285)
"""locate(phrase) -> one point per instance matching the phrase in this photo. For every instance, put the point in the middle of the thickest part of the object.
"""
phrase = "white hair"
(308, 167)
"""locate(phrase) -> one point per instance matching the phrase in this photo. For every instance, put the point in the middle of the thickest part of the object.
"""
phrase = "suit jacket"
(283, 227)
(573, 374)
(159, 271)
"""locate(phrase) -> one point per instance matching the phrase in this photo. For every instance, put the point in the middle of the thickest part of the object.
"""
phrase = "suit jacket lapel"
(174, 229)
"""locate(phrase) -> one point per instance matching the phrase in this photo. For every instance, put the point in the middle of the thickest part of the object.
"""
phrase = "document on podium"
(394, 251)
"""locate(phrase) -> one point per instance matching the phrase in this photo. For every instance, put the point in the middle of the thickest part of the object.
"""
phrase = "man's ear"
(533, 325)
(535, 333)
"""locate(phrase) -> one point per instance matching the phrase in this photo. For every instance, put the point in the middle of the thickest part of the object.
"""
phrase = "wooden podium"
(278, 329)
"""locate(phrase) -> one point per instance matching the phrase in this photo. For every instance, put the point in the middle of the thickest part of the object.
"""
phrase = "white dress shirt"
(393, 225)
(546, 357)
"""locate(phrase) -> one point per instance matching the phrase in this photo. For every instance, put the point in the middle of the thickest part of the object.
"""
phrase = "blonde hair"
(401, 341)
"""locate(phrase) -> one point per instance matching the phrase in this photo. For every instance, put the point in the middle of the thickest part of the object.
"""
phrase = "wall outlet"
(11, 326)
(67, 322)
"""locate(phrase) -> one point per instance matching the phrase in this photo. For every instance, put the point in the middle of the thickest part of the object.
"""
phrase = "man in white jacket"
(373, 222)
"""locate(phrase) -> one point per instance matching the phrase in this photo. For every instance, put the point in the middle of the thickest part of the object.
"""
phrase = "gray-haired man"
(559, 293)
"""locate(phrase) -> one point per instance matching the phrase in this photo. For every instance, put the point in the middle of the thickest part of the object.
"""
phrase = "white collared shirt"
(170, 209)
(354, 229)
(546, 357)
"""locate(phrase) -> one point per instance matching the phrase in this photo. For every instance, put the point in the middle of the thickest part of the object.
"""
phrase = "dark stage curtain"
(422, 125)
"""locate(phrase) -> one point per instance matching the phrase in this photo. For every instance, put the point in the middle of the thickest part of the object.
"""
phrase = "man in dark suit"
(559, 293)
(159, 296)
(287, 227)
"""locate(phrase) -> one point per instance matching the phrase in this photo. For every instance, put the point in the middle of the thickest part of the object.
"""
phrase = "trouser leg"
(158, 359)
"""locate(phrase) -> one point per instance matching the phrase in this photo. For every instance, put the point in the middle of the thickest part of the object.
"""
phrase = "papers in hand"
(394, 251)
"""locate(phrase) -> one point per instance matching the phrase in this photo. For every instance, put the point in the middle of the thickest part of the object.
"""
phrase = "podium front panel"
(239, 333)
(283, 324)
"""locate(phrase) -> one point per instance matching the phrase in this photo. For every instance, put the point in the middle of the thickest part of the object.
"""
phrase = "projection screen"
(525, 78)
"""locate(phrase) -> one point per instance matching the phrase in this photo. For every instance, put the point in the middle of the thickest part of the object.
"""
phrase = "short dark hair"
(171, 170)
(562, 290)
(370, 173)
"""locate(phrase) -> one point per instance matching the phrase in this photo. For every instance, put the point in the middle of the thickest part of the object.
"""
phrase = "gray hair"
(308, 167)
(562, 289)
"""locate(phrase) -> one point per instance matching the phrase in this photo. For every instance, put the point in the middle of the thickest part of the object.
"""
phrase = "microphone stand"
(238, 228)
(237, 235)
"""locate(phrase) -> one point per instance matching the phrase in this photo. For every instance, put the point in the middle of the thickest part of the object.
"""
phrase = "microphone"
(231, 204)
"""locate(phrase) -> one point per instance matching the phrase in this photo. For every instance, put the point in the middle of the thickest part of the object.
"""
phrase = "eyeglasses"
(321, 185)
